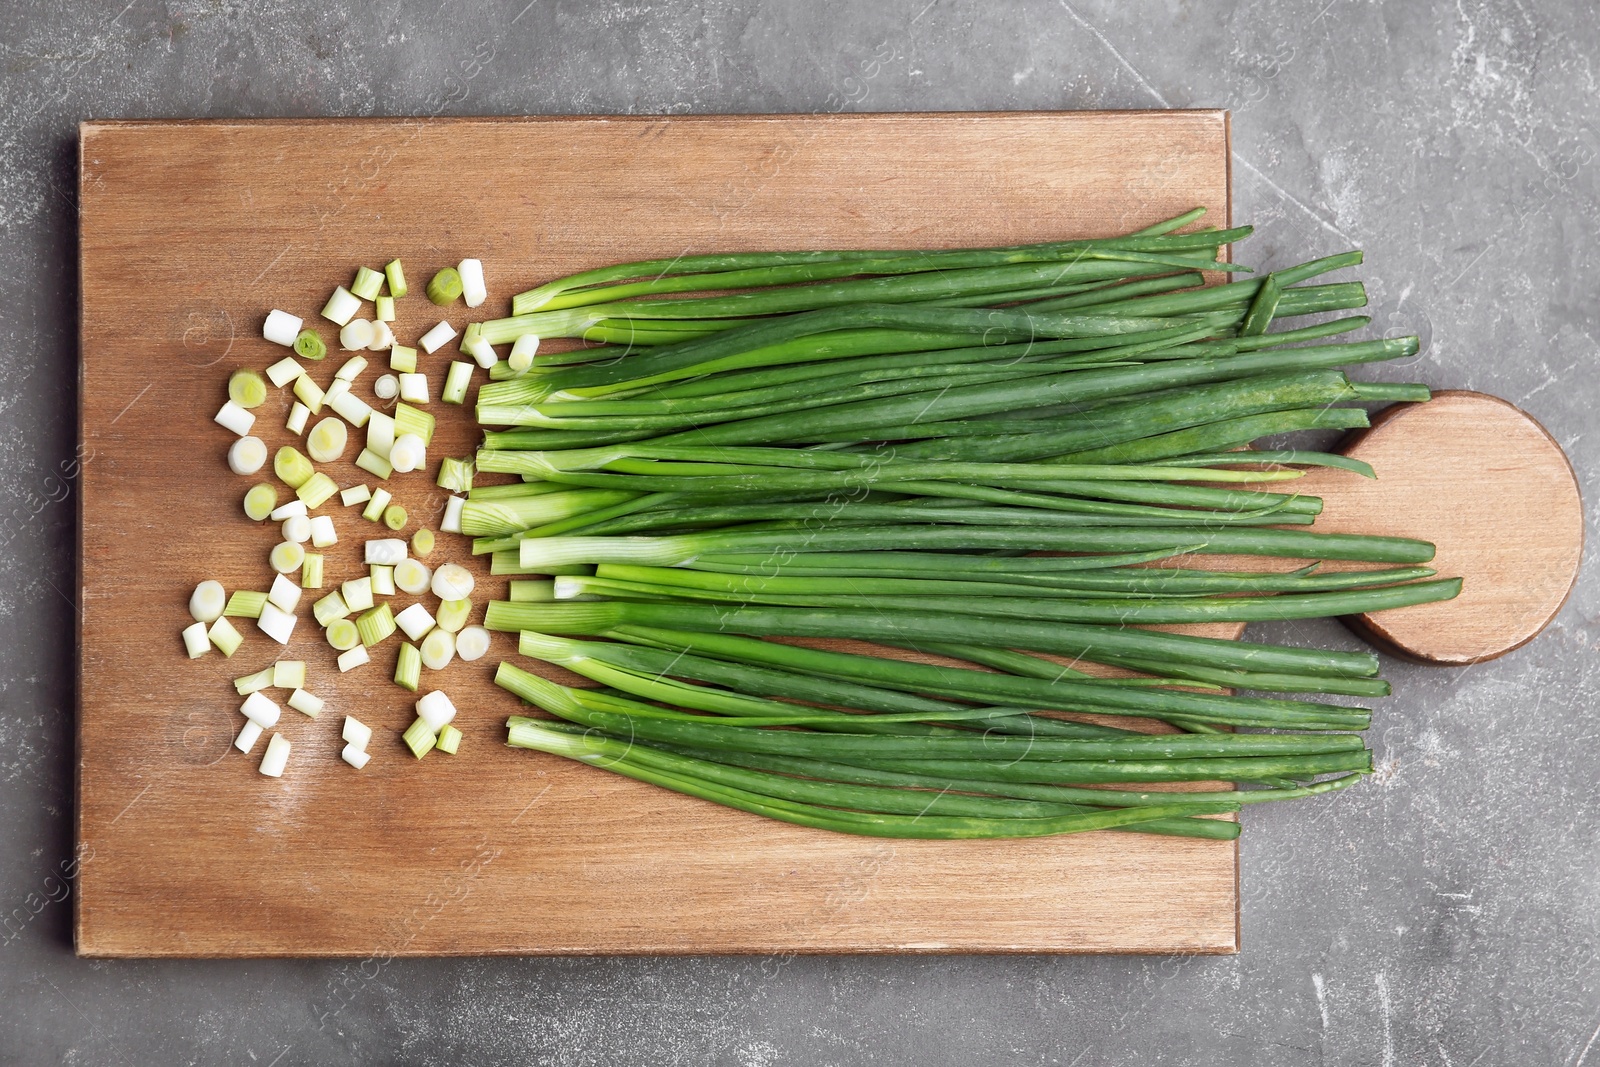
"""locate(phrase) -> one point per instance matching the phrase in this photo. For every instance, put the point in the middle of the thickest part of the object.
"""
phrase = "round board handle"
(1488, 485)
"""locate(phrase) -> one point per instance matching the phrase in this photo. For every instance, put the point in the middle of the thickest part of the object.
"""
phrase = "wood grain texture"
(1490, 487)
(191, 231)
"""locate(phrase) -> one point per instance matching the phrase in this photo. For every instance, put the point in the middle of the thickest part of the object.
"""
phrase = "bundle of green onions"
(879, 446)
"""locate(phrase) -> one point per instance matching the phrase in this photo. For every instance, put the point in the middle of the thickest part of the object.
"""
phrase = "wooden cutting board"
(191, 231)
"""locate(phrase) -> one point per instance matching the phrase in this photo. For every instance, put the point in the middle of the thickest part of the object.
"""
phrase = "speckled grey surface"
(1446, 913)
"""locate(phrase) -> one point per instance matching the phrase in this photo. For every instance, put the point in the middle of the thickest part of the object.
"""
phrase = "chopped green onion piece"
(472, 643)
(259, 501)
(284, 593)
(297, 528)
(280, 327)
(387, 387)
(375, 505)
(235, 418)
(354, 756)
(402, 359)
(394, 517)
(451, 523)
(385, 308)
(254, 683)
(195, 642)
(341, 306)
(322, 531)
(357, 593)
(351, 369)
(316, 490)
(247, 388)
(286, 556)
(245, 604)
(422, 542)
(374, 464)
(292, 467)
(308, 704)
(438, 649)
(296, 422)
(408, 419)
(376, 625)
(356, 335)
(327, 440)
(307, 345)
(329, 608)
(453, 614)
(397, 278)
(473, 344)
(355, 657)
(288, 674)
(436, 709)
(343, 634)
(309, 393)
(249, 734)
(282, 372)
(473, 289)
(435, 338)
(413, 576)
(350, 407)
(367, 283)
(419, 739)
(455, 474)
(522, 353)
(416, 621)
(382, 576)
(380, 436)
(445, 288)
(408, 453)
(456, 383)
(355, 732)
(224, 636)
(276, 623)
(311, 571)
(408, 667)
(449, 739)
(413, 388)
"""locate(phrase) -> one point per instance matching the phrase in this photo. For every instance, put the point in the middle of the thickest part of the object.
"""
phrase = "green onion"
(410, 420)
(316, 489)
(445, 287)
(408, 667)
(260, 502)
(367, 283)
(307, 345)
(396, 275)
(449, 739)
(224, 636)
(419, 738)
(456, 382)
(453, 614)
(311, 571)
(253, 683)
(455, 474)
(343, 634)
(394, 517)
(1064, 694)
(245, 604)
(292, 467)
(526, 733)
(376, 625)
(247, 388)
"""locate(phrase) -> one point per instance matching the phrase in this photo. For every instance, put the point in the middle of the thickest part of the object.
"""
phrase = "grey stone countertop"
(1446, 913)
